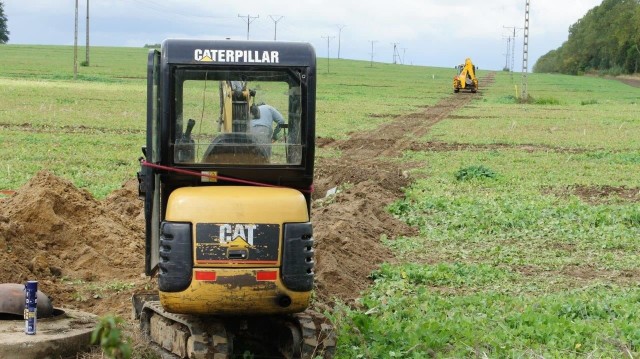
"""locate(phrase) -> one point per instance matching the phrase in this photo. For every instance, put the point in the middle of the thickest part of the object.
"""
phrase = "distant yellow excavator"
(466, 78)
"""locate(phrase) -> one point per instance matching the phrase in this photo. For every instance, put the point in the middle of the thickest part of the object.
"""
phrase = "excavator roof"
(230, 52)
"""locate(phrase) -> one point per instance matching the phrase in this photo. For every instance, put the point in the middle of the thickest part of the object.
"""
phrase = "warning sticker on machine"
(230, 242)
(246, 56)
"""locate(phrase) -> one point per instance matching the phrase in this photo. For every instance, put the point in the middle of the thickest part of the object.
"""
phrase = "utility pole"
(249, 20)
(275, 25)
(506, 55)
(87, 47)
(328, 54)
(404, 55)
(75, 47)
(372, 42)
(395, 52)
(340, 27)
(525, 52)
(513, 53)
(511, 49)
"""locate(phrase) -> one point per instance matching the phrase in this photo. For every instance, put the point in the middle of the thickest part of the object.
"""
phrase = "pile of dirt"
(63, 237)
(348, 232)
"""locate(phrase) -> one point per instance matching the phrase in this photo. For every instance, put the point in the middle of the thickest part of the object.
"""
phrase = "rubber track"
(206, 340)
(210, 341)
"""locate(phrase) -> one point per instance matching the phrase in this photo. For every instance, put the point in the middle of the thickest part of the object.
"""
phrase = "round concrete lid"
(63, 335)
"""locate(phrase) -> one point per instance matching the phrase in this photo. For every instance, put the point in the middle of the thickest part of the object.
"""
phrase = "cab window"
(237, 117)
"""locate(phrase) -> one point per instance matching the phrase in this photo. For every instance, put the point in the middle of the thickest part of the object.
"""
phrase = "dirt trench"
(89, 254)
(349, 226)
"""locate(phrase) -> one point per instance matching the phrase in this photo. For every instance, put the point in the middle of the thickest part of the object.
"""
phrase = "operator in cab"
(262, 119)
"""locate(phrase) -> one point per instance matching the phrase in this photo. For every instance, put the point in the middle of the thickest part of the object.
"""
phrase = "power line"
(275, 25)
(249, 20)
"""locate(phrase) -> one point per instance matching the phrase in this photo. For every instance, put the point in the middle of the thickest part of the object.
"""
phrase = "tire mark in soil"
(436, 146)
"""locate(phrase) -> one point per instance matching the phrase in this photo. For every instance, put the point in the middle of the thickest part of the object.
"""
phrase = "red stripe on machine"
(208, 276)
(267, 275)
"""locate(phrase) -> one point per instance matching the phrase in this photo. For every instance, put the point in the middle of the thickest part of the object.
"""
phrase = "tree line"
(605, 41)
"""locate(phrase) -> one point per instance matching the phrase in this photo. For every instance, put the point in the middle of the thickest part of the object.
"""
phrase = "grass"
(509, 262)
(90, 131)
(562, 119)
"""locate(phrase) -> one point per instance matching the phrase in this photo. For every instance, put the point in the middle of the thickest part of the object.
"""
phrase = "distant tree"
(4, 32)
(605, 40)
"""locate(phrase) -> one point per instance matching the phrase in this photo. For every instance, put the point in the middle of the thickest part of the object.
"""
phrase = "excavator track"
(318, 335)
(303, 335)
(184, 336)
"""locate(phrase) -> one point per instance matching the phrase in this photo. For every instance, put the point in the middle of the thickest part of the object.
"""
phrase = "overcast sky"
(427, 32)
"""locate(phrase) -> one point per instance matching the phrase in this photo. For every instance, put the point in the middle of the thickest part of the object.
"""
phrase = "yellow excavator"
(227, 211)
(466, 77)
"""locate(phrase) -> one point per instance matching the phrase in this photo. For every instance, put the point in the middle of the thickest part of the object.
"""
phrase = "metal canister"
(30, 307)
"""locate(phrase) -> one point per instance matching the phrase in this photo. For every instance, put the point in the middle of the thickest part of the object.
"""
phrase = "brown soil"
(598, 194)
(55, 233)
(630, 80)
(81, 250)
(448, 146)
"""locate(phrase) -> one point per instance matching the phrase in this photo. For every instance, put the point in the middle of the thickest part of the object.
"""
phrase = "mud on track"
(89, 254)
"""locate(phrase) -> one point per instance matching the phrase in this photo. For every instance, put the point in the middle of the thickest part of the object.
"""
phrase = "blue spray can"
(30, 307)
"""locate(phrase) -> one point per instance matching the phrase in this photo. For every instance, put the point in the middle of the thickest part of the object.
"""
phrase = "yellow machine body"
(242, 285)
(466, 78)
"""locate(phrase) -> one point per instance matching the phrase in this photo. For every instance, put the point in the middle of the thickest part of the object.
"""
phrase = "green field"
(91, 130)
(511, 261)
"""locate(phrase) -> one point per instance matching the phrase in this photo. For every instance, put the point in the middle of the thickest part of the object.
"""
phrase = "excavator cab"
(227, 211)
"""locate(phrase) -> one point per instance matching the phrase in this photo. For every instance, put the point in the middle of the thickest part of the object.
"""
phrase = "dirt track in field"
(348, 227)
(82, 250)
